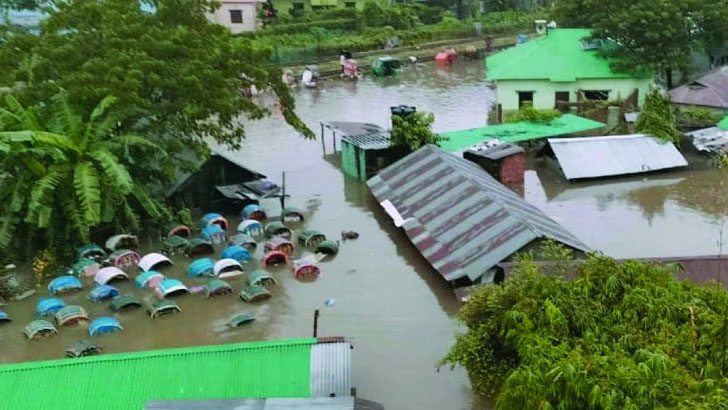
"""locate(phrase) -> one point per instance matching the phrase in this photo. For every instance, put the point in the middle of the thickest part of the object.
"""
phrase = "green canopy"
(723, 123)
(518, 131)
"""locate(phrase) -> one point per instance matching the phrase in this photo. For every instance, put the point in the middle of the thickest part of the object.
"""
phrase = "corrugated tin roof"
(460, 219)
(518, 131)
(594, 157)
(710, 90)
(361, 134)
(128, 380)
(711, 139)
(556, 56)
(318, 403)
(331, 369)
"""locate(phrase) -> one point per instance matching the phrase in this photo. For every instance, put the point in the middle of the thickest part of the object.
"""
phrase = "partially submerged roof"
(518, 131)
(283, 368)
(710, 90)
(595, 157)
(320, 403)
(460, 218)
(184, 178)
(361, 134)
(713, 139)
(557, 56)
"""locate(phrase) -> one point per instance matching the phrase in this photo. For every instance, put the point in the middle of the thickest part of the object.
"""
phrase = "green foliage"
(172, 71)
(700, 114)
(619, 336)
(656, 35)
(413, 130)
(63, 177)
(658, 118)
(529, 114)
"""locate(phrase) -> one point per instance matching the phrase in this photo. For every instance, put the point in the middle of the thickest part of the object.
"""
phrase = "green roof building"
(284, 368)
(559, 68)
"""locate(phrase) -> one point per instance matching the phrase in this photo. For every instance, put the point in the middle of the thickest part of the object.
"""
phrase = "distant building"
(294, 7)
(237, 15)
(709, 91)
(557, 70)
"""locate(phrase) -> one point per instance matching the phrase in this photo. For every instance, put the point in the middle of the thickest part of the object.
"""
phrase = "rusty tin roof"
(460, 218)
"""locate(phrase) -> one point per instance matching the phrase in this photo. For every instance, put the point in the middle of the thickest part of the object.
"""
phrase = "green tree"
(656, 35)
(179, 79)
(657, 118)
(619, 336)
(413, 130)
(65, 176)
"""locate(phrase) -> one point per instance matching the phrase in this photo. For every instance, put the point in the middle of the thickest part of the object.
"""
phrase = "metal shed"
(365, 148)
(595, 157)
(460, 218)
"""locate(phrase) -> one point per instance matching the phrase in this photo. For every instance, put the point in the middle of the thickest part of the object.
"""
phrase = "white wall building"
(237, 15)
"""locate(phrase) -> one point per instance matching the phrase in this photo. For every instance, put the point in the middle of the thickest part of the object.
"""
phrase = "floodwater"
(389, 301)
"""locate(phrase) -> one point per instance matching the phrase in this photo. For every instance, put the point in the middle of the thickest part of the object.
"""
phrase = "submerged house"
(556, 70)
(709, 92)
(220, 181)
(461, 219)
(596, 157)
(295, 368)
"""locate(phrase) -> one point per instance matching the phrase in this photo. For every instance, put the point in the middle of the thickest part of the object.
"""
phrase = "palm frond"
(131, 216)
(75, 219)
(54, 140)
(41, 196)
(131, 140)
(17, 136)
(26, 119)
(7, 229)
(114, 171)
(65, 120)
(86, 183)
(152, 207)
(94, 131)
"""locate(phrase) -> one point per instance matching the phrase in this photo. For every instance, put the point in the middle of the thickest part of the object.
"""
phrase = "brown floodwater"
(389, 301)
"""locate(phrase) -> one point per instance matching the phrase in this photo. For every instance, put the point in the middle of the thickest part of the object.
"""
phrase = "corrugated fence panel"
(331, 369)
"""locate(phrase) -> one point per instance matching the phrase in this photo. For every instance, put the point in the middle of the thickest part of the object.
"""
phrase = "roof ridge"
(144, 354)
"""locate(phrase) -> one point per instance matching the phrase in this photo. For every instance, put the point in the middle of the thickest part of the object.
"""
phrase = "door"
(562, 101)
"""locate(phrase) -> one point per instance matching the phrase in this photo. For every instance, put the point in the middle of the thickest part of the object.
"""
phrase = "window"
(525, 97)
(596, 95)
(350, 4)
(236, 16)
(562, 101)
(297, 6)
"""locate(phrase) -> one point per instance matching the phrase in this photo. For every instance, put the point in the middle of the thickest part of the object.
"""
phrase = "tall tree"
(656, 35)
(625, 336)
(69, 174)
(179, 79)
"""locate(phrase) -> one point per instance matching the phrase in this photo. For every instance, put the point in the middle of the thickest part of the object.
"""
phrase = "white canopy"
(106, 275)
(113, 242)
(223, 264)
(150, 260)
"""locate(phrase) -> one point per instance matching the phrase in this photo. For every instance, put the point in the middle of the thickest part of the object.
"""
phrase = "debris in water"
(349, 235)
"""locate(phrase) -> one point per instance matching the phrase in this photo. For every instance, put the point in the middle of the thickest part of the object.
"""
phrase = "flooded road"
(389, 301)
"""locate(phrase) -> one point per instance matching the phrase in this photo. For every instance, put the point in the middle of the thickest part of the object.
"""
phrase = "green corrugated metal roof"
(723, 123)
(556, 56)
(518, 131)
(127, 381)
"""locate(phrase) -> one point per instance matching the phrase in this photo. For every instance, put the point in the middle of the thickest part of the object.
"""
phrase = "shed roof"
(128, 380)
(557, 56)
(361, 134)
(595, 157)
(319, 403)
(217, 160)
(518, 131)
(711, 90)
(460, 218)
